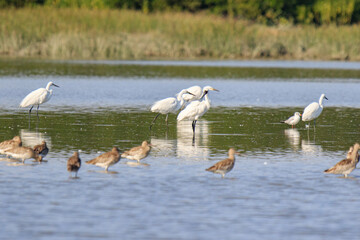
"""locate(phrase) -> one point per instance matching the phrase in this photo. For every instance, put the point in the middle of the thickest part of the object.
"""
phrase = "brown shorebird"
(348, 155)
(225, 165)
(107, 159)
(9, 144)
(347, 165)
(293, 120)
(74, 163)
(138, 153)
(23, 153)
(41, 149)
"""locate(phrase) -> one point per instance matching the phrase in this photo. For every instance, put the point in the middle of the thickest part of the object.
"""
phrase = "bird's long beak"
(206, 92)
(190, 93)
(326, 98)
(55, 85)
(213, 89)
(237, 153)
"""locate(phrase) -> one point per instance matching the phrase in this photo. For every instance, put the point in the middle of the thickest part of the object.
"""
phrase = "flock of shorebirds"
(193, 103)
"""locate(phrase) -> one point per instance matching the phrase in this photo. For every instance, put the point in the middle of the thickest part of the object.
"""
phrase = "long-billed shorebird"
(138, 153)
(23, 153)
(168, 105)
(293, 120)
(225, 165)
(74, 163)
(9, 144)
(196, 109)
(107, 159)
(37, 97)
(347, 165)
(313, 110)
(41, 149)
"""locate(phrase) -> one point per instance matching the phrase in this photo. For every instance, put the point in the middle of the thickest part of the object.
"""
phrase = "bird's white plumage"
(169, 105)
(38, 96)
(197, 108)
(196, 91)
(313, 110)
(293, 120)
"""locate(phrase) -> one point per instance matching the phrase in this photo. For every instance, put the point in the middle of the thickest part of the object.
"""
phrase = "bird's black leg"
(153, 121)
(30, 115)
(193, 127)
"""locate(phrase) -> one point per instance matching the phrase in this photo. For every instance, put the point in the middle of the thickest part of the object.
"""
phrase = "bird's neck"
(321, 101)
(232, 157)
(207, 100)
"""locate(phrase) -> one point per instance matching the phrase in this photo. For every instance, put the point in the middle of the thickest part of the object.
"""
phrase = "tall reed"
(123, 34)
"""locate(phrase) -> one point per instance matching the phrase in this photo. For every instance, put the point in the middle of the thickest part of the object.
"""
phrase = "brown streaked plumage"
(9, 144)
(74, 163)
(225, 165)
(41, 149)
(347, 165)
(138, 153)
(107, 159)
(23, 153)
(348, 155)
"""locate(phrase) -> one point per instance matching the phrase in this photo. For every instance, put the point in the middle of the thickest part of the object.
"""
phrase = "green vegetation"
(270, 11)
(83, 33)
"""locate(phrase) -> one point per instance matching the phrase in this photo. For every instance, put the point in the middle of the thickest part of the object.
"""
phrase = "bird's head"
(207, 89)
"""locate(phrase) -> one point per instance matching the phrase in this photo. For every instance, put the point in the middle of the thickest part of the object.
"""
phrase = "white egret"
(37, 97)
(293, 120)
(196, 93)
(168, 105)
(196, 108)
(313, 110)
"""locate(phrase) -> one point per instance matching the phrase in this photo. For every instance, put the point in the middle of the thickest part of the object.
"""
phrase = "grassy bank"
(118, 34)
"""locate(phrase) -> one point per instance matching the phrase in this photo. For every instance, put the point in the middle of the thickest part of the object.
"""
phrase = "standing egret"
(313, 110)
(168, 105)
(196, 108)
(37, 97)
(293, 120)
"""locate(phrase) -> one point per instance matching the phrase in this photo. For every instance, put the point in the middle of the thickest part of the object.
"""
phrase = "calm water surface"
(277, 189)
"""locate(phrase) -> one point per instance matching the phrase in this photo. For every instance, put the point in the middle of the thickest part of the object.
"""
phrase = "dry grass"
(119, 34)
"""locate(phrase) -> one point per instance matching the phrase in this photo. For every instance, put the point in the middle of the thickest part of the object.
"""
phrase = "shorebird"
(37, 97)
(138, 153)
(9, 144)
(225, 165)
(293, 120)
(196, 109)
(23, 153)
(168, 105)
(74, 163)
(41, 149)
(347, 165)
(313, 110)
(107, 159)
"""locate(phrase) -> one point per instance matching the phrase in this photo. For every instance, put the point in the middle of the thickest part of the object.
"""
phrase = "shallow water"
(276, 190)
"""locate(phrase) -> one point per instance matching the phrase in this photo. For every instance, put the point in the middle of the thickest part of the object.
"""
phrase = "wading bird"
(74, 163)
(293, 120)
(107, 159)
(138, 153)
(23, 153)
(225, 165)
(37, 97)
(196, 109)
(313, 110)
(196, 93)
(9, 144)
(41, 149)
(168, 105)
(347, 165)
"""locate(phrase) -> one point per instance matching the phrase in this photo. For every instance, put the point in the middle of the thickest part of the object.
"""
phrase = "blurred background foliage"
(270, 12)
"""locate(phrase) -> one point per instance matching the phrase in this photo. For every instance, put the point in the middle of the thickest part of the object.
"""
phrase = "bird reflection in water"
(33, 138)
(187, 147)
(293, 137)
